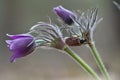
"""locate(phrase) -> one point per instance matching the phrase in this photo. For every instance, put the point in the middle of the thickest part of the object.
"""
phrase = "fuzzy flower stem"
(99, 60)
(81, 62)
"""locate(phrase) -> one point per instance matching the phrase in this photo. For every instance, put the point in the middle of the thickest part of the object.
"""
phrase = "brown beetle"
(74, 41)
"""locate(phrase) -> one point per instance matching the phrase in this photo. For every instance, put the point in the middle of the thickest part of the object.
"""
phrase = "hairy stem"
(99, 60)
(81, 62)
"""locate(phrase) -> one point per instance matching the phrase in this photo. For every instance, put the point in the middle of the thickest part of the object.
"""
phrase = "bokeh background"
(17, 16)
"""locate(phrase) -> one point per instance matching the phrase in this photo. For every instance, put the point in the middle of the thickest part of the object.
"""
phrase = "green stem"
(99, 60)
(81, 62)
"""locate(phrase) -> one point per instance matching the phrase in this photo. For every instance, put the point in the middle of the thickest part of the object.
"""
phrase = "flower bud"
(21, 45)
(66, 15)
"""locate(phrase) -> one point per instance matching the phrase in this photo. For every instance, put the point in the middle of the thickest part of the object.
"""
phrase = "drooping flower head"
(66, 15)
(21, 45)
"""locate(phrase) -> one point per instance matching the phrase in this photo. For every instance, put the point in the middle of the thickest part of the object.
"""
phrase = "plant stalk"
(81, 62)
(99, 60)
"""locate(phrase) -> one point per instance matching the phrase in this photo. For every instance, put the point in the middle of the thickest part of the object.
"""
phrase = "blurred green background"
(17, 16)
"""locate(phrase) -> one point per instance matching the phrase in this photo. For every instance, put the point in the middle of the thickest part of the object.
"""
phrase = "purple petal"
(12, 59)
(9, 41)
(66, 15)
(20, 43)
(18, 36)
(18, 54)
(15, 56)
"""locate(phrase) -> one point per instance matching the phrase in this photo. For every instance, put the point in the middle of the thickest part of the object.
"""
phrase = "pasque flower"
(80, 30)
(50, 35)
(86, 24)
(21, 45)
(66, 15)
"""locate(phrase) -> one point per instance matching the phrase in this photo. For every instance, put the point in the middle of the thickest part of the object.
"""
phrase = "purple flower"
(66, 15)
(20, 45)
